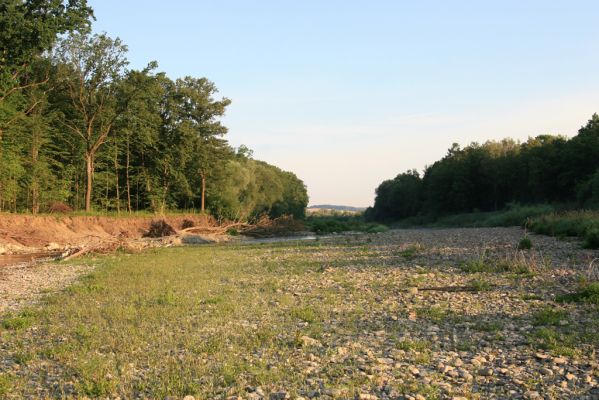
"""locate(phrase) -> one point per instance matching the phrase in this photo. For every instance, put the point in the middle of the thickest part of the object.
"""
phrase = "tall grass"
(584, 224)
(512, 215)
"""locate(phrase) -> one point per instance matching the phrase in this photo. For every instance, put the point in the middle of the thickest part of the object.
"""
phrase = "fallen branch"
(216, 228)
(446, 289)
(78, 253)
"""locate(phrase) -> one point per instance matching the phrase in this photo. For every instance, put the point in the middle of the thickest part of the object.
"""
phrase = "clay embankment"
(27, 233)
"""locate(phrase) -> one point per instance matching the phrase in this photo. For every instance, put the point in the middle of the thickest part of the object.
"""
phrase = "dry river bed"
(407, 314)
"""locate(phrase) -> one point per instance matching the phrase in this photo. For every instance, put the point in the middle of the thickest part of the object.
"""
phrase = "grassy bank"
(324, 224)
(584, 224)
(542, 219)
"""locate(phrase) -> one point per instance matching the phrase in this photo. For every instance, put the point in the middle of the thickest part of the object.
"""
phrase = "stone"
(280, 395)
(570, 376)
(485, 371)
(414, 371)
(546, 371)
(531, 394)
(413, 290)
(367, 396)
(467, 376)
(307, 341)
(189, 397)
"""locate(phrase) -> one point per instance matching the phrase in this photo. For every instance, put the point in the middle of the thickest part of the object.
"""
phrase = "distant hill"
(336, 208)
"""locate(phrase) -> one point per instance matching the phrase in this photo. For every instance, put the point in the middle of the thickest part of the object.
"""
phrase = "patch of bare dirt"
(27, 233)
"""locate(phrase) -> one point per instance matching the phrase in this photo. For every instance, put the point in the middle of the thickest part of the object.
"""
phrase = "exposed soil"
(26, 233)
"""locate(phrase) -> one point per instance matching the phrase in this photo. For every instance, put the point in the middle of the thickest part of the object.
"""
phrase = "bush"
(525, 243)
(591, 238)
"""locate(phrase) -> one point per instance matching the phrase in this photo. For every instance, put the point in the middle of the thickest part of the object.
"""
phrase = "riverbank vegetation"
(502, 183)
(79, 130)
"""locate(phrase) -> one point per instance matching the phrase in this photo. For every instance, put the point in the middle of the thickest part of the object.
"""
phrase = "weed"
(525, 243)
(530, 296)
(479, 285)
(5, 384)
(306, 314)
(549, 316)
(18, 322)
(411, 251)
(415, 345)
(550, 339)
(489, 326)
(465, 345)
(435, 313)
(587, 293)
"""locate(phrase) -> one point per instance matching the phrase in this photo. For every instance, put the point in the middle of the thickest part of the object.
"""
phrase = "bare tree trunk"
(89, 164)
(116, 177)
(203, 208)
(127, 178)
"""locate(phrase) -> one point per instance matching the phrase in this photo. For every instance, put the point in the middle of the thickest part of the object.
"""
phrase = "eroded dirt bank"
(26, 233)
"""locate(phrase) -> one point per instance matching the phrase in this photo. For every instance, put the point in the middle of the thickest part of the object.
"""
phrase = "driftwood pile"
(262, 228)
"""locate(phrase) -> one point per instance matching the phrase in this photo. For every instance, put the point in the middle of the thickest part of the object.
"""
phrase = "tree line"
(487, 177)
(78, 127)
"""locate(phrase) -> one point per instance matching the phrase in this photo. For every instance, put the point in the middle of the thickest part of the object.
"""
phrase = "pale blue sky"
(348, 93)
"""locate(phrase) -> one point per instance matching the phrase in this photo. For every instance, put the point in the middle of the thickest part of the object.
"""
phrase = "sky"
(348, 93)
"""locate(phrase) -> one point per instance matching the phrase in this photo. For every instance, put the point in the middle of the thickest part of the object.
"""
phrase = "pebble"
(531, 394)
(281, 395)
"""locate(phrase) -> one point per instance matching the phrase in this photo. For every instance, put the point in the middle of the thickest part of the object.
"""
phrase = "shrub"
(525, 243)
(549, 316)
(479, 285)
(588, 293)
(377, 228)
(591, 238)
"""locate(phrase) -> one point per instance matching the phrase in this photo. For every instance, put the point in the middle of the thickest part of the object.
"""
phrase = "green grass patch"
(558, 343)
(587, 293)
(549, 316)
(17, 322)
(480, 285)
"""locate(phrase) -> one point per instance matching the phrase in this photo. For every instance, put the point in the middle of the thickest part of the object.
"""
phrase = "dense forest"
(487, 177)
(80, 130)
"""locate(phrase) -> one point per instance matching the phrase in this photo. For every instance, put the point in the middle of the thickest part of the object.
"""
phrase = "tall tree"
(27, 29)
(90, 68)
